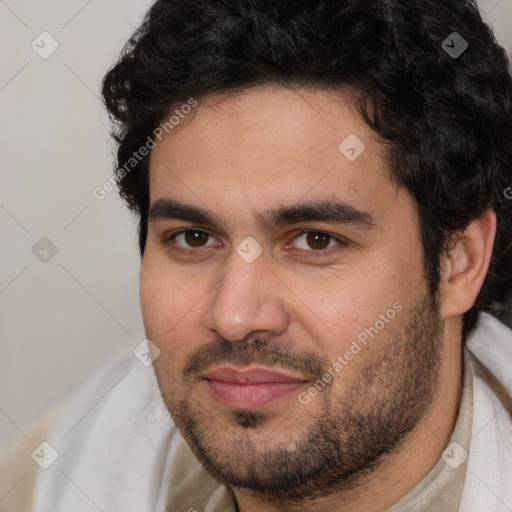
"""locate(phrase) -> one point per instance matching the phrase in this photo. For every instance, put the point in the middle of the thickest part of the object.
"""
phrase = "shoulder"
(101, 409)
(18, 470)
(488, 465)
(490, 344)
(112, 435)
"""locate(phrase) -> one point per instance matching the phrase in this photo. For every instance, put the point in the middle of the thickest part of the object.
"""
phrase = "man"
(323, 227)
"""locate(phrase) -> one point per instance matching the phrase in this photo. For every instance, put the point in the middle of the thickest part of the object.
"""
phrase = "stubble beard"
(336, 444)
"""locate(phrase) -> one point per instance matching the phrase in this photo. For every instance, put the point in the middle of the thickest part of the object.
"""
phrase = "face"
(282, 282)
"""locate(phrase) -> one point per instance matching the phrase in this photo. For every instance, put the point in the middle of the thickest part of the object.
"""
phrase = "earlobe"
(466, 264)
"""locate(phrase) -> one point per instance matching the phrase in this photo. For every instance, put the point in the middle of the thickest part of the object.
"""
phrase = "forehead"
(269, 146)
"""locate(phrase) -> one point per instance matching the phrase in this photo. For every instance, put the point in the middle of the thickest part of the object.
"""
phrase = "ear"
(466, 265)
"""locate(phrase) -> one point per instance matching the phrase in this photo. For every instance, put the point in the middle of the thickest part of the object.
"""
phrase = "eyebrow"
(329, 211)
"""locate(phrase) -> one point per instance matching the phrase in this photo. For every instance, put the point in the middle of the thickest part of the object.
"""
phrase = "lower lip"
(251, 396)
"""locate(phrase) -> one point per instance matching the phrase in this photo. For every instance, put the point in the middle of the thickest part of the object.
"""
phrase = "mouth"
(252, 388)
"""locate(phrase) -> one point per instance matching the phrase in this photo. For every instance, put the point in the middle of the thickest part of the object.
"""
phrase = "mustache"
(262, 351)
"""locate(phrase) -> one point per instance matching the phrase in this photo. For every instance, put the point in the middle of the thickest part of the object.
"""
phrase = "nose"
(246, 300)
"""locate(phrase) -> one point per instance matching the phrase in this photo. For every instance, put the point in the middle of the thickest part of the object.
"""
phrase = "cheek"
(169, 306)
(344, 299)
(338, 309)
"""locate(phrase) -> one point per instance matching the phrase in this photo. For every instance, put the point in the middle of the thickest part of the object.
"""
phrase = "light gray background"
(61, 318)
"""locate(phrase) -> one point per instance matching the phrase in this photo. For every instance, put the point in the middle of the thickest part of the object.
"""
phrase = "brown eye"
(196, 238)
(318, 241)
(192, 238)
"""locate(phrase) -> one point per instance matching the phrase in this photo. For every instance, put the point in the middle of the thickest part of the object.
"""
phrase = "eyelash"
(342, 243)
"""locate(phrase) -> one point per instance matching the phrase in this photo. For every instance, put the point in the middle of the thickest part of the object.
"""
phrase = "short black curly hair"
(446, 120)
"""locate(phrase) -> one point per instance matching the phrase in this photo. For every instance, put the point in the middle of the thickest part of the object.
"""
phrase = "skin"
(386, 417)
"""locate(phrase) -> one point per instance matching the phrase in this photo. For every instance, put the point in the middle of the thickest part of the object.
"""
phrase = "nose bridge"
(246, 299)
